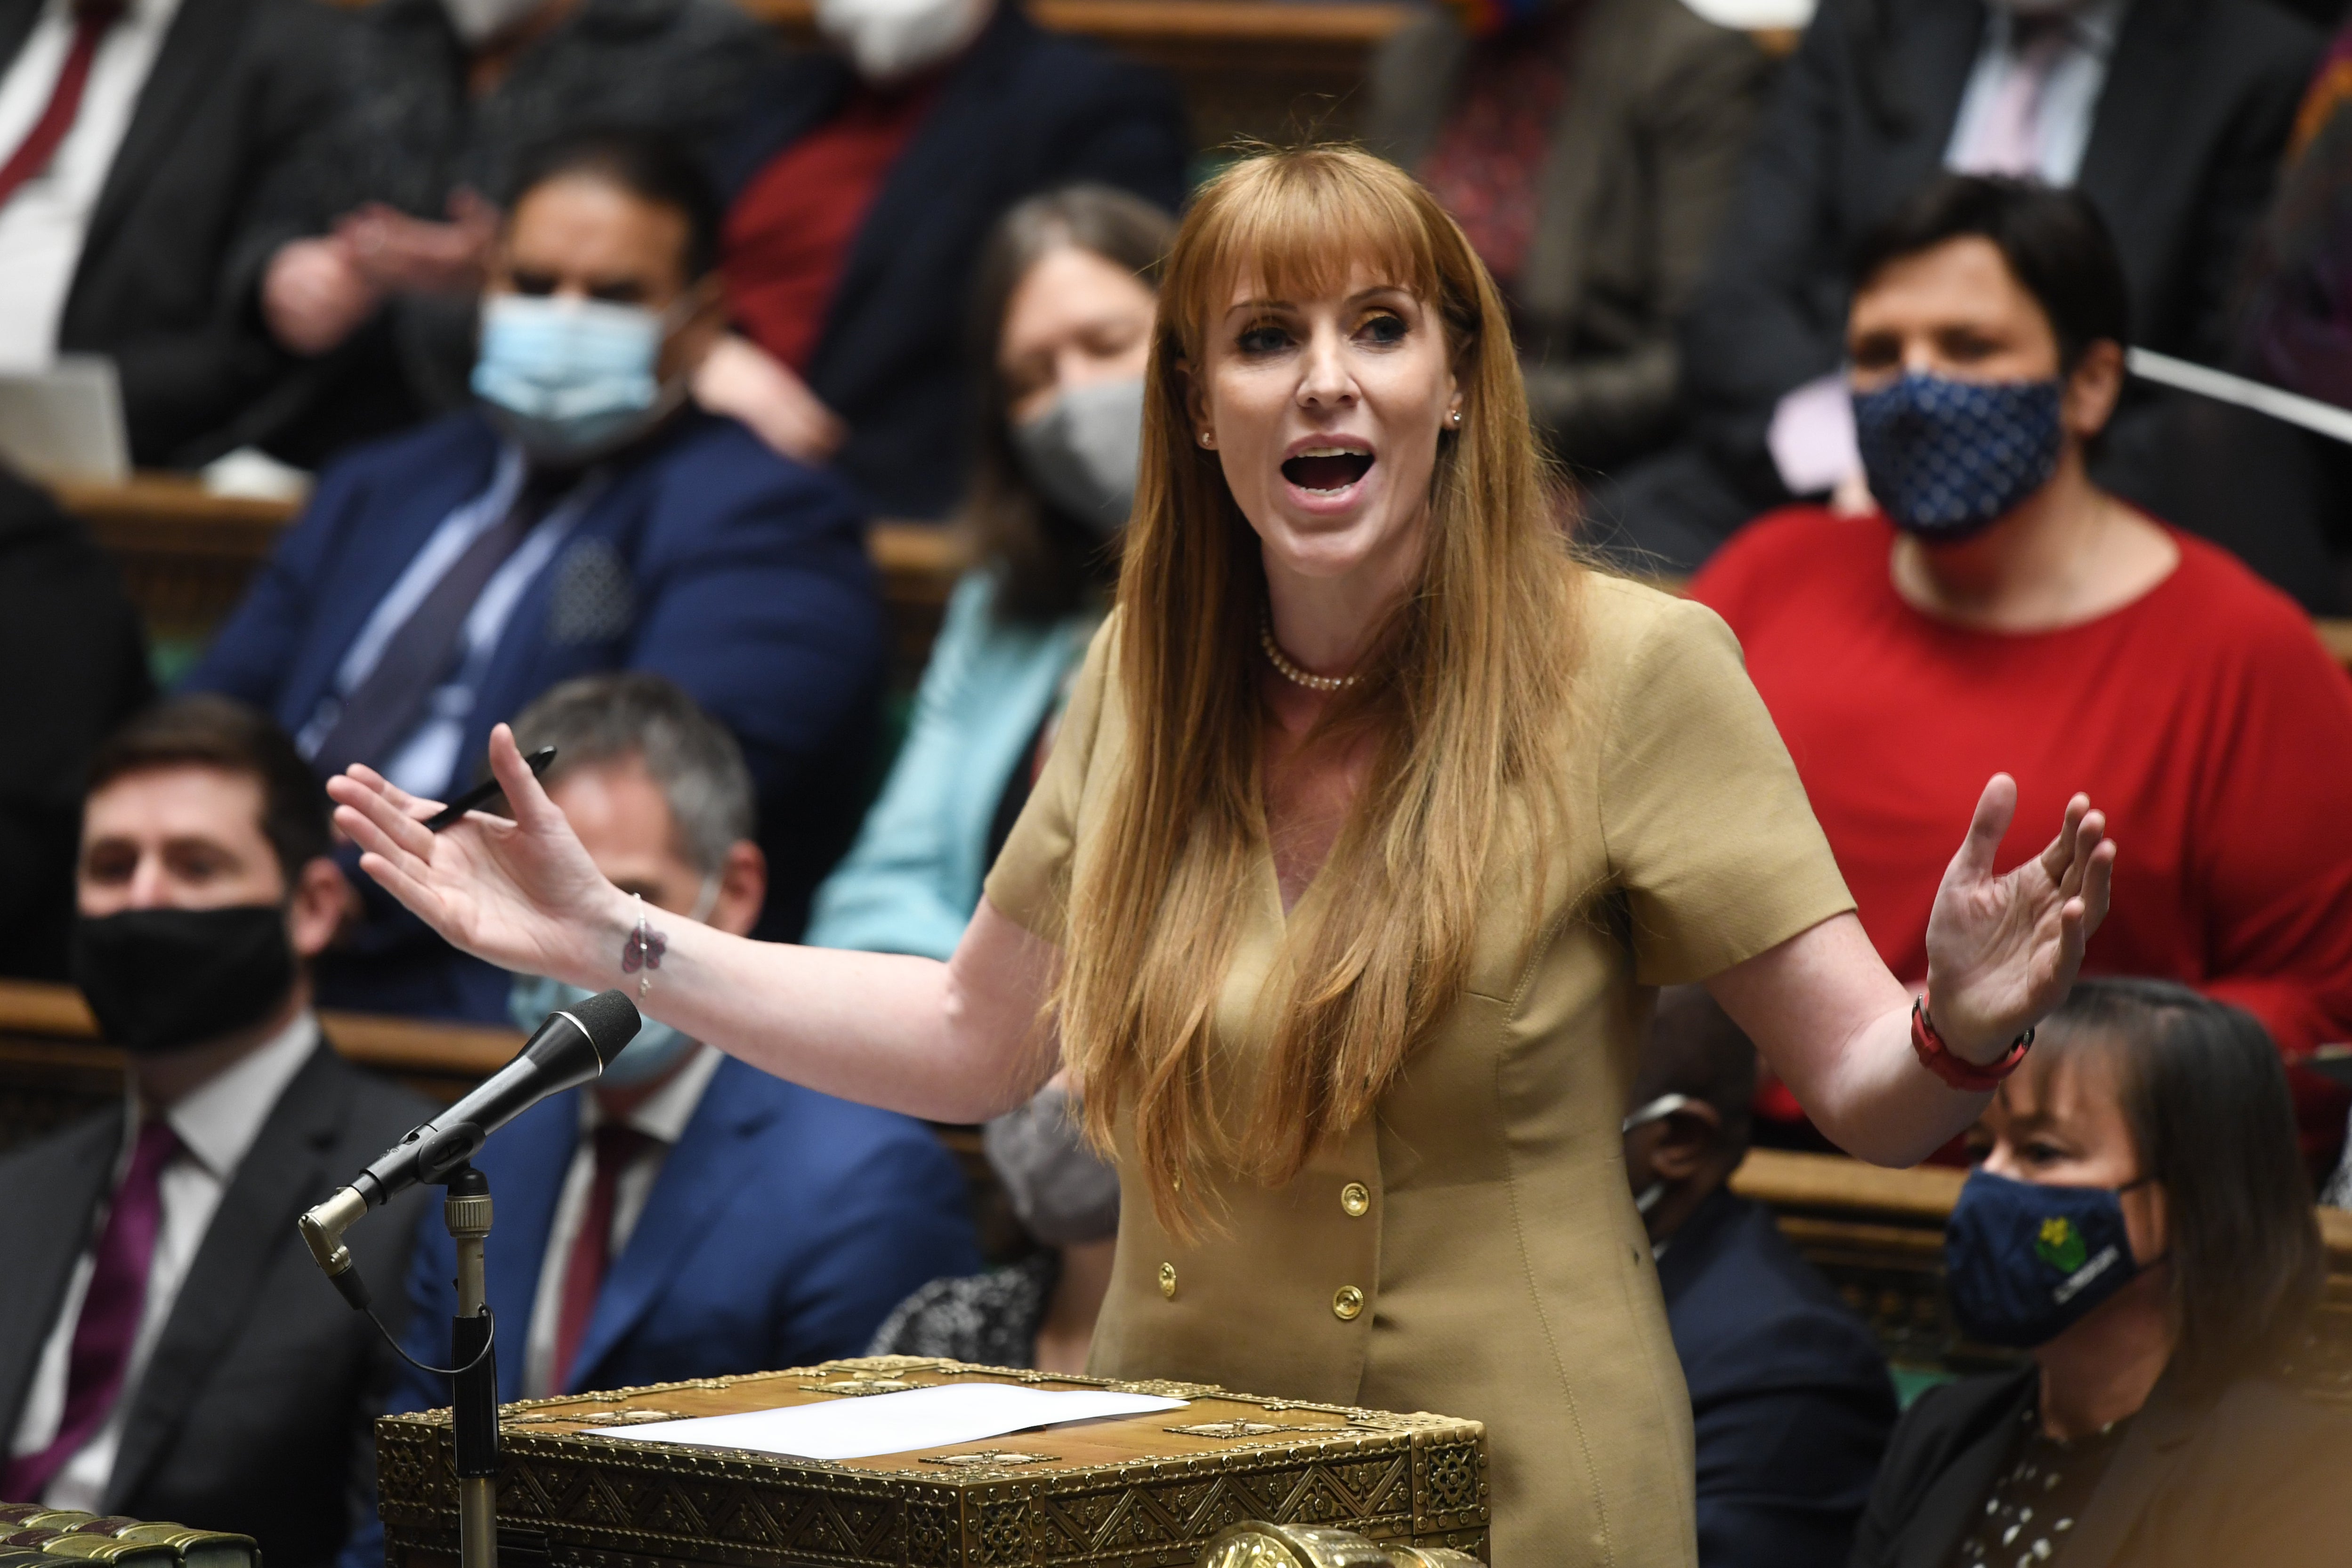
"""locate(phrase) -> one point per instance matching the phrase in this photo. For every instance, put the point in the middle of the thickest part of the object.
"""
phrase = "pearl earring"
(1208, 439)
(1456, 417)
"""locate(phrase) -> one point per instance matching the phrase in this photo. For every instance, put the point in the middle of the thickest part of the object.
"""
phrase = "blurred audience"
(2295, 332)
(2170, 115)
(448, 101)
(2004, 612)
(76, 659)
(150, 158)
(1040, 1311)
(862, 185)
(583, 517)
(1589, 147)
(1061, 327)
(2141, 1226)
(162, 1292)
(1788, 1392)
(685, 1215)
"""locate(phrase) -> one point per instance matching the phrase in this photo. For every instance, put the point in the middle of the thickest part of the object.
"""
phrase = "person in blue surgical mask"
(583, 515)
(684, 1215)
(2140, 1228)
(1064, 296)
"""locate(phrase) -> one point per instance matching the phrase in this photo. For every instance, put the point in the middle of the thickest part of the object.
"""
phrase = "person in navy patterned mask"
(1998, 609)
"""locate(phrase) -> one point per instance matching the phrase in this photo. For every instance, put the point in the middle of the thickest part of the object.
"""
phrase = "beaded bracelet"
(642, 953)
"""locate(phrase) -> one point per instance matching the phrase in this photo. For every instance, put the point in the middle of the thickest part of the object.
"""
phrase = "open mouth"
(1327, 469)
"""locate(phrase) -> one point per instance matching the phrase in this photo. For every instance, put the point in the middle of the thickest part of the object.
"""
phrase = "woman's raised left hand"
(2002, 949)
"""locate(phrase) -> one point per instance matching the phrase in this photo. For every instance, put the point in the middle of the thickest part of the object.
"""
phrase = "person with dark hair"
(2168, 115)
(1589, 148)
(862, 184)
(1790, 1397)
(583, 516)
(2004, 611)
(2140, 1225)
(1061, 315)
(159, 1293)
(640, 1235)
(444, 101)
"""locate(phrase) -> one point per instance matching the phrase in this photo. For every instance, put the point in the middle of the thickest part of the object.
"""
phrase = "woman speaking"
(1372, 824)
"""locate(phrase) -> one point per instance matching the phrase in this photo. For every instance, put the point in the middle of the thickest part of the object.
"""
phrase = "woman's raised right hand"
(521, 894)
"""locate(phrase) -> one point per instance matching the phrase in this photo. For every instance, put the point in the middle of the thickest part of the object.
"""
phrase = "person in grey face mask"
(1790, 1398)
(1039, 1311)
(1062, 311)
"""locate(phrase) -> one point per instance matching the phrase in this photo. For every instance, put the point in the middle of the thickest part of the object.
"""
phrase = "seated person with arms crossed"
(862, 187)
(2141, 1224)
(2032, 621)
(685, 1215)
(165, 1348)
(1788, 1393)
(582, 518)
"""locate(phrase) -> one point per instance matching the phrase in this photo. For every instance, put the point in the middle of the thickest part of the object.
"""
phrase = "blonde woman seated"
(1372, 827)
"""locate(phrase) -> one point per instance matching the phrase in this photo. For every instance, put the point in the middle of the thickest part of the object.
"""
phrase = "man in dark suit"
(147, 171)
(2170, 115)
(167, 1349)
(581, 519)
(1789, 1395)
(862, 188)
(686, 1215)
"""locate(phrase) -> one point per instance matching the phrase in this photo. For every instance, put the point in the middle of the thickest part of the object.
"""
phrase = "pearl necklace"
(1289, 671)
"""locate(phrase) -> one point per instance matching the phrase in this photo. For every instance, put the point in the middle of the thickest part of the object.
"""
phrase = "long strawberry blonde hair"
(1461, 699)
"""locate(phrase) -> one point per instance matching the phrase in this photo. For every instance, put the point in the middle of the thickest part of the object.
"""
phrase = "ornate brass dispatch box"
(1120, 1494)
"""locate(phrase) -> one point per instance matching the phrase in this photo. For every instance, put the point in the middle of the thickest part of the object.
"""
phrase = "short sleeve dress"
(1473, 1247)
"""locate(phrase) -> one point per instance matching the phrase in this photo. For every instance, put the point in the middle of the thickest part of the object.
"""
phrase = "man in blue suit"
(685, 1215)
(1788, 1393)
(583, 517)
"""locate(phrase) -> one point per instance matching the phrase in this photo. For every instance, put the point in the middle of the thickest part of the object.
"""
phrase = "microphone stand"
(473, 1404)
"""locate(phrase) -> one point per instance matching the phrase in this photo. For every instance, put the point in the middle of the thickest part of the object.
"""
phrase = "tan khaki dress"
(1474, 1249)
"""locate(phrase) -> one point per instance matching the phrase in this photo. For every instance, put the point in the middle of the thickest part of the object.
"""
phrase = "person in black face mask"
(169, 1352)
(2140, 1223)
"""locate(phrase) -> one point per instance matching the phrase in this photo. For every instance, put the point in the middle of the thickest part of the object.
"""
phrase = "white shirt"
(426, 762)
(42, 226)
(217, 1123)
(662, 1118)
(2069, 97)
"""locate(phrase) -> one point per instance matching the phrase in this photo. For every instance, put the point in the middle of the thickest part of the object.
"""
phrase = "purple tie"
(110, 1311)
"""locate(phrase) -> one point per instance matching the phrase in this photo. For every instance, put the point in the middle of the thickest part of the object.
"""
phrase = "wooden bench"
(186, 557)
(1877, 1233)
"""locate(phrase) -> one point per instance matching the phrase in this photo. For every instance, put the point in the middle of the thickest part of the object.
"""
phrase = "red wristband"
(1956, 1070)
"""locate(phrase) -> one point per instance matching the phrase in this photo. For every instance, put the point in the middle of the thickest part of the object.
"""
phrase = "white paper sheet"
(858, 1426)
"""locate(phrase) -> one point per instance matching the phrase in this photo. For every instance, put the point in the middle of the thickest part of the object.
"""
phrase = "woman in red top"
(2000, 612)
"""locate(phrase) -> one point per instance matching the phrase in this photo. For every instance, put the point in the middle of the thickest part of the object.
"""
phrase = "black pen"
(484, 793)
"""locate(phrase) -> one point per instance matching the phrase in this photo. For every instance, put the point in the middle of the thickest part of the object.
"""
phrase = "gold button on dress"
(1500, 1274)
